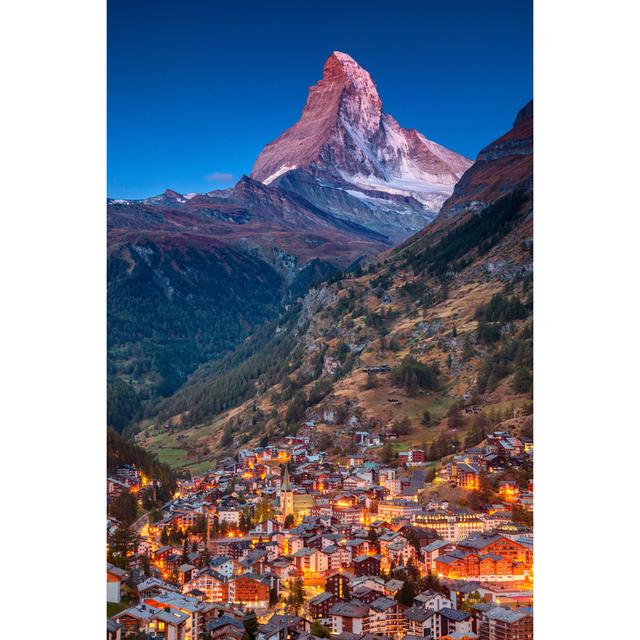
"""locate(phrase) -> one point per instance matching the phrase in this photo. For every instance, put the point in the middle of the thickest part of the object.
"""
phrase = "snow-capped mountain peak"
(346, 141)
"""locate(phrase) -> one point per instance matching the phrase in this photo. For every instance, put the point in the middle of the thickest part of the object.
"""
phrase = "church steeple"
(286, 495)
(286, 484)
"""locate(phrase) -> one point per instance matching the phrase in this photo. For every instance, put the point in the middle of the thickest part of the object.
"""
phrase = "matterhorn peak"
(345, 140)
(339, 63)
(342, 57)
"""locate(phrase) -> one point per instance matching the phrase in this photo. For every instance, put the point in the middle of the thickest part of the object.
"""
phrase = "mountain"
(502, 166)
(349, 157)
(433, 340)
(190, 276)
(264, 220)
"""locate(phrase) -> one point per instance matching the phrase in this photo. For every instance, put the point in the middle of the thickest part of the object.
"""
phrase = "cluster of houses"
(255, 524)
(126, 477)
(500, 452)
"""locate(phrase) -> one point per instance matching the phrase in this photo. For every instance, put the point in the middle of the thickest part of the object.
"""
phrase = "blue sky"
(197, 88)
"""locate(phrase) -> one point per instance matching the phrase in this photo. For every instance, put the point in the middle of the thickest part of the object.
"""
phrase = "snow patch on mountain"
(283, 169)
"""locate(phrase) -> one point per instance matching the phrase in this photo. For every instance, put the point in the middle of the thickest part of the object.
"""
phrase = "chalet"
(235, 548)
(224, 627)
(358, 546)
(155, 586)
(338, 584)
(498, 545)
(391, 587)
(185, 571)
(466, 476)
(299, 454)
(367, 565)
(386, 618)
(249, 590)
(432, 600)
(318, 607)
(212, 583)
(199, 613)
(499, 623)
(454, 621)
(283, 568)
(222, 565)
(311, 560)
(458, 590)
(115, 580)
(350, 617)
(254, 561)
(422, 622)
(472, 566)
(488, 558)
(367, 594)
(283, 627)
(144, 619)
(401, 552)
(412, 457)
(337, 557)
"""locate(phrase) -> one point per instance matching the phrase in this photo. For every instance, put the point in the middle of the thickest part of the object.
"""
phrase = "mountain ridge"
(345, 141)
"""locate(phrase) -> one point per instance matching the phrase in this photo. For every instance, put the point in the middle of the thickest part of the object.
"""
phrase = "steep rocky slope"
(501, 167)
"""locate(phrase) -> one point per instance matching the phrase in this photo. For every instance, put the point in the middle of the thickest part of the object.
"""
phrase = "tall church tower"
(286, 495)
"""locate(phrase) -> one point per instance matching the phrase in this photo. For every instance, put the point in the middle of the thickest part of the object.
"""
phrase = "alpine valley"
(190, 276)
(363, 278)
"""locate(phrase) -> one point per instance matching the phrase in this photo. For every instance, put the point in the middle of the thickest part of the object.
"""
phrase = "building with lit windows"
(397, 508)
(145, 619)
(451, 527)
(506, 624)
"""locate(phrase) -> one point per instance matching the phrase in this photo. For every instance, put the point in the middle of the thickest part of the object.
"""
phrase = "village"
(280, 543)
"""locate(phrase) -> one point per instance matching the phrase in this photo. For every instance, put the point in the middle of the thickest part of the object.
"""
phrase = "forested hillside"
(122, 451)
(170, 310)
(406, 344)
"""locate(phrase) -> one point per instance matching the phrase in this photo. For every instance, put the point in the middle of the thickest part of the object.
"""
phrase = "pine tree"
(296, 594)
(251, 626)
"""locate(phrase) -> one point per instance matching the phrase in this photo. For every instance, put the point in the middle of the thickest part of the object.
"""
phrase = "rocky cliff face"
(501, 167)
(390, 179)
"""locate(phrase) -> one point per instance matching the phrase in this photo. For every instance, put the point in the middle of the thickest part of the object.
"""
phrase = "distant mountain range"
(191, 275)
